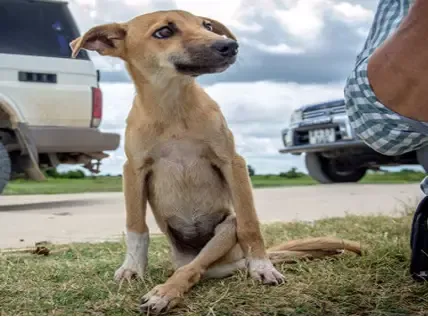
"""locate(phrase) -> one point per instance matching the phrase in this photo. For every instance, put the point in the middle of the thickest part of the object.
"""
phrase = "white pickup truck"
(333, 153)
(50, 104)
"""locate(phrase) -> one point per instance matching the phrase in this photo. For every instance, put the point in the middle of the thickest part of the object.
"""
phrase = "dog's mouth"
(195, 69)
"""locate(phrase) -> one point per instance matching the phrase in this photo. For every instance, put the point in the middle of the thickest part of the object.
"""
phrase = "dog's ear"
(220, 28)
(105, 39)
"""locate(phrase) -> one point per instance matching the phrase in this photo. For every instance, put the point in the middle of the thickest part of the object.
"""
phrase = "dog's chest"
(178, 152)
(183, 176)
(184, 183)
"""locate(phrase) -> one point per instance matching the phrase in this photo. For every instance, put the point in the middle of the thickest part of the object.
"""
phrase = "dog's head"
(174, 42)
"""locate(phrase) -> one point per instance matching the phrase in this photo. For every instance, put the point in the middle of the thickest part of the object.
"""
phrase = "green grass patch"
(64, 186)
(114, 183)
(402, 177)
(79, 280)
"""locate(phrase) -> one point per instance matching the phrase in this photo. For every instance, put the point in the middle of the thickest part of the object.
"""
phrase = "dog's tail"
(311, 248)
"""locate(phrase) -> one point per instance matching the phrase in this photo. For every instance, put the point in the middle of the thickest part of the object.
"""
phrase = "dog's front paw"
(127, 272)
(130, 269)
(136, 257)
(160, 300)
(263, 270)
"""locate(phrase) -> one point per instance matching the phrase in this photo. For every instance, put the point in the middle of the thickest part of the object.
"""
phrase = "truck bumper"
(323, 147)
(69, 140)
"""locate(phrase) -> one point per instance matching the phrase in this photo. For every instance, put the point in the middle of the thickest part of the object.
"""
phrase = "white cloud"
(304, 18)
(137, 2)
(353, 13)
(226, 11)
(249, 27)
(90, 3)
(280, 48)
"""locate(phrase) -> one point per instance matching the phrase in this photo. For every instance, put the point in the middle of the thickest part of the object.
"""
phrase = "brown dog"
(181, 158)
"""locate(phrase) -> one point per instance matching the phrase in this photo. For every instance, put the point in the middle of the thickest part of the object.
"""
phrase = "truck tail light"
(97, 107)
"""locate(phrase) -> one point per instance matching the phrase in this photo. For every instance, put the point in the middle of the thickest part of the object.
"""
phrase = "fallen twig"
(39, 249)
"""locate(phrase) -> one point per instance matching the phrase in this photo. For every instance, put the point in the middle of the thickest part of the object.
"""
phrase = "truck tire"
(5, 167)
(314, 167)
(326, 171)
(422, 157)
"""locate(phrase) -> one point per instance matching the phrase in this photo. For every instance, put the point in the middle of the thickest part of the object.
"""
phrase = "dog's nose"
(226, 48)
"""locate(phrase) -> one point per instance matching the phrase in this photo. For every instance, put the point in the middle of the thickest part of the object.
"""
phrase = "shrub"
(52, 173)
(74, 174)
(251, 170)
(77, 174)
(292, 173)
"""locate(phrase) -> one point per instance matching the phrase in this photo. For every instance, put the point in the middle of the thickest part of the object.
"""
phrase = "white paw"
(136, 257)
(263, 270)
(126, 272)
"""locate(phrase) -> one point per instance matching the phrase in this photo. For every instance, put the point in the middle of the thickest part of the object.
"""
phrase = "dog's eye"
(208, 26)
(163, 33)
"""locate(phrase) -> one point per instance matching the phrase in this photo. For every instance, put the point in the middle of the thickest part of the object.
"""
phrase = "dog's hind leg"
(222, 270)
(248, 226)
(233, 261)
(225, 269)
(167, 295)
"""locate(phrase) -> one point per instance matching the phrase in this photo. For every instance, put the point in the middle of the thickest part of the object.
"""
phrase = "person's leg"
(398, 69)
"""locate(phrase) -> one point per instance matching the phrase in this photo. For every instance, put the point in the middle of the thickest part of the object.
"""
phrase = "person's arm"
(398, 69)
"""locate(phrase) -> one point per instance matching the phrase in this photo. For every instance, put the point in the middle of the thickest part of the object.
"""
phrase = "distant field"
(114, 183)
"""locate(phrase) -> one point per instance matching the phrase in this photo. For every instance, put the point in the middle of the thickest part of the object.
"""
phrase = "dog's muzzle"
(226, 48)
(208, 59)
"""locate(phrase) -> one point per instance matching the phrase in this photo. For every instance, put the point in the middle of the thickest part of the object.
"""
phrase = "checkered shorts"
(379, 127)
(382, 129)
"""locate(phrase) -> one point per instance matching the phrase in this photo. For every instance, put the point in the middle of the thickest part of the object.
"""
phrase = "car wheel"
(5, 167)
(327, 171)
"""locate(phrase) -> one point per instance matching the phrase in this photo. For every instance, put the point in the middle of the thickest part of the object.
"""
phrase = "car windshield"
(37, 28)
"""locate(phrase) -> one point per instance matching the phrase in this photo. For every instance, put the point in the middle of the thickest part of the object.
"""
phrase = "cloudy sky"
(292, 53)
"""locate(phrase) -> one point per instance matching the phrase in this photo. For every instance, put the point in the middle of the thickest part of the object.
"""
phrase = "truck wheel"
(5, 167)
(328, 171)
(315, 170)
(422, 157)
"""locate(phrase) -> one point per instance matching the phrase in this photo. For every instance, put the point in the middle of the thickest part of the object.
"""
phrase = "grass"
(78, 281)
(114, 183)
(64, 186)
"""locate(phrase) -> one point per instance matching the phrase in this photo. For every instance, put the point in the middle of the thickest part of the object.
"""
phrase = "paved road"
(93, 217)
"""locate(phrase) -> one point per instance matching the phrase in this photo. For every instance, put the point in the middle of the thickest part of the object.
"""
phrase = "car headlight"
(296, 116)
(287, 137)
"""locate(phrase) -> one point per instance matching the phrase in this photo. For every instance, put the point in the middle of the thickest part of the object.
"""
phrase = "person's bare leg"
(398, 69)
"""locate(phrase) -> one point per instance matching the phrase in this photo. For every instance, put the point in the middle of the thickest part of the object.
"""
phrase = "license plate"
(322, 136)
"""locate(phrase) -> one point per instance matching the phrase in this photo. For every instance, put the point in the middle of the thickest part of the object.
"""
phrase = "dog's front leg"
(248, 226)
(167, 295)
(137, 232)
